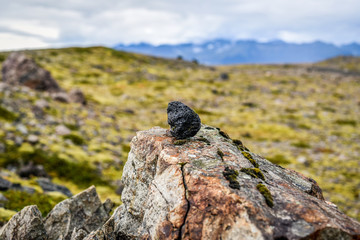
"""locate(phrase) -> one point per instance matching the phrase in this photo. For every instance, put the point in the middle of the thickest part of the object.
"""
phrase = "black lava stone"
(184, 122)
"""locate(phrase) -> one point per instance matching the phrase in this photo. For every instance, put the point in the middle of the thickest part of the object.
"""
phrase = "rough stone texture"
(18, 69)
(77, 96)
(83, 211)
(183, 121)
(179, 191)
(48, 186)
(26, 224)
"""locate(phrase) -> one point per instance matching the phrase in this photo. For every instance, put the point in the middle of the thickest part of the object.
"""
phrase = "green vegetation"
(180, 142)
(283, 112)
(76, 139)
(279, 159)
(266, 193)
(231, 175)
(254, 172)
(250, 158)
(221, 154)
(6, 114)
(19, 199)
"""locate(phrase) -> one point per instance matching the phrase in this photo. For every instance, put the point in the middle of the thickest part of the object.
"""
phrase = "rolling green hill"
(303, 117)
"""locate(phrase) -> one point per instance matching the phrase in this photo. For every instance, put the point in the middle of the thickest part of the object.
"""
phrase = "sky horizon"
(29, 24)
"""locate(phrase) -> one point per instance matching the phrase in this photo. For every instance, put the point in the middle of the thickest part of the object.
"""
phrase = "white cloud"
(10, 41)
(80, 22)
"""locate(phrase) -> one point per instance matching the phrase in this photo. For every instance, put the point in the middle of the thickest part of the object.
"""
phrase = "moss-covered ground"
(303, 117)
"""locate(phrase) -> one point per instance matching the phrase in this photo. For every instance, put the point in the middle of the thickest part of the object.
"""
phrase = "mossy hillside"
(19, 199)
(283, 112)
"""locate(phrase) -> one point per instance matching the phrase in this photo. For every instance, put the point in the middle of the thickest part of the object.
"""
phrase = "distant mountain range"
(222, 51)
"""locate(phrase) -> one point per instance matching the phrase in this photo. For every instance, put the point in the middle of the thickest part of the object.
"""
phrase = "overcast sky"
(45, 23)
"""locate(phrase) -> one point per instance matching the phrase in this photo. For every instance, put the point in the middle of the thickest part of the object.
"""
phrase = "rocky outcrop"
(18, 69)
(206, 187)
(211, 187)
(26, 224)
(83, 211)
(73, 218)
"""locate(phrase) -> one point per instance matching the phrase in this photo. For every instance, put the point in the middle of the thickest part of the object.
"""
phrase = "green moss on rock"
(231, 175)
(202, 139)
(266, 193)
(240, 145)
(250, 158)
(224, 134)
(180, 142)
(221, 154)
(254, 172)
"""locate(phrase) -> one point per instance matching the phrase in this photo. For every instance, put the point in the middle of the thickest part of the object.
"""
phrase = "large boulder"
(26, 224)
(18, 69)
(83, 211)
(212, 187)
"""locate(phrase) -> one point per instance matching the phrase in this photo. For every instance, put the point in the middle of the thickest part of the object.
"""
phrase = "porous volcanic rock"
(211, 187)
(26, 224)
(83, 211)
(18, 69)
(183, 121)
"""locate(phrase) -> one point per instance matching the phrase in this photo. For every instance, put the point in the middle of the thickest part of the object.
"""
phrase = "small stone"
(61, 97)
(3, 199)
(18, 187)
(2, 147)
(22, 128)
(184, 122)
(32, 139)
(62, 130)
(4, 184)
(77, 96)
(48, 186)
(32, 170)
(42, 103)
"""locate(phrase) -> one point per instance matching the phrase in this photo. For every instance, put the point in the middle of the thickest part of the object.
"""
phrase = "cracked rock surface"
(179, 192)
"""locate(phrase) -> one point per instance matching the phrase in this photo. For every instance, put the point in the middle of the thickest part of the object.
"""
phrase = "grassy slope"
(304, 120)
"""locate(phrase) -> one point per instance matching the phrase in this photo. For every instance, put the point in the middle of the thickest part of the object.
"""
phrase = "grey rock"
(77, 96)
(18, 140)
(3, 200)
(32, 170)
(18, 187)
(22, 128)
(48, 186)
(78, 234)
(183, 121)
(83, 211)
(26, 224)
(4, 184)
(180, 192)
(62, 130)
(18, 69)
(61, 97)
(33, 139)
(2, 147)
(42, 103)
